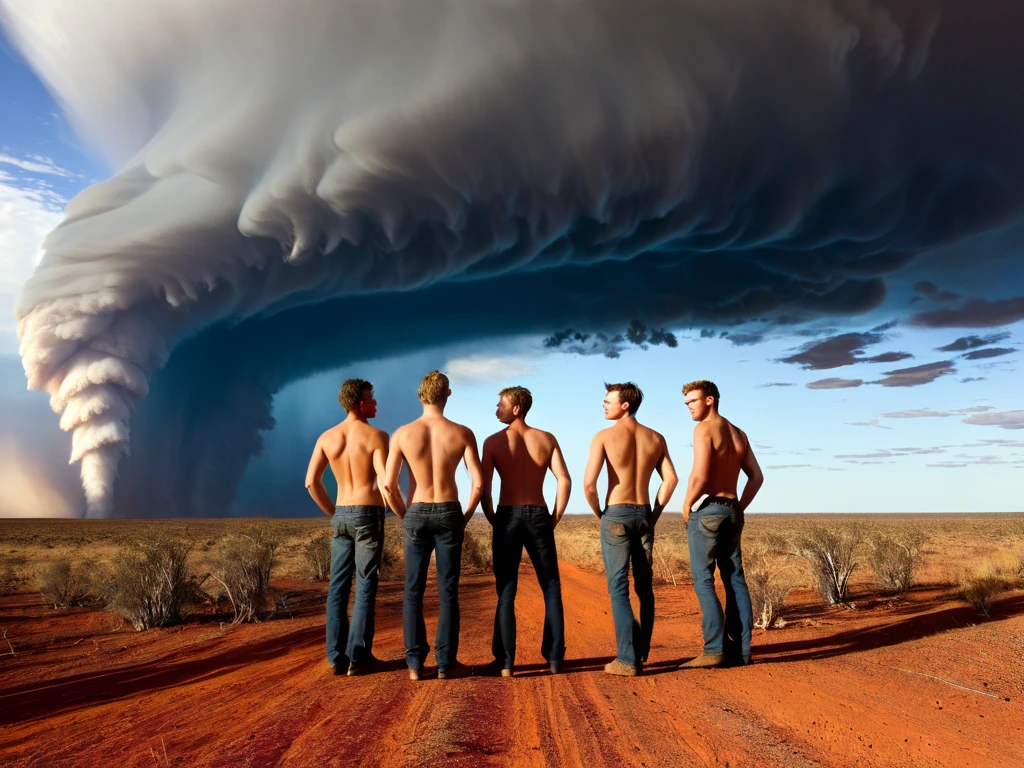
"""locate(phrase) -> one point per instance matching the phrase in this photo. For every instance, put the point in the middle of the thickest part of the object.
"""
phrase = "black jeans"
(627, 539)
(515, 527)
(426, 528)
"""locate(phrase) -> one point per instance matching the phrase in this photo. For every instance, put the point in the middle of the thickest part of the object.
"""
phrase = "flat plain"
(918, 679)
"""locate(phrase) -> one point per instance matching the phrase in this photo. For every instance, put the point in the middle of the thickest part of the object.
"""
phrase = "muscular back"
(728, 449)
(433, 447)
(632, 452)
(521, 458)
(349, 448)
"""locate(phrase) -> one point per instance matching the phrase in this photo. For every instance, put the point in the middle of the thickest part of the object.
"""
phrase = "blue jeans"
(355, 548)
(513, 528)
(428, 528)
(713, 537)
(627, 538)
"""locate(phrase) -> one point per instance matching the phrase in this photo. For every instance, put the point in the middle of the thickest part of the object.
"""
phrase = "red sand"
(834, 687)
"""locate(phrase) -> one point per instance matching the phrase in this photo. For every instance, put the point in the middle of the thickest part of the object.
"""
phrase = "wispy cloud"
(916, 376)
(1003, 419)
(488, 368)
(965, 343)
(36, 164)
(834, 383)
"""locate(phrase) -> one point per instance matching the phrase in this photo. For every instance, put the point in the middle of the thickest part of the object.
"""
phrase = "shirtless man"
(356, 454)
(632, 453)
(522, 456)
(713, 530)
(433, 446)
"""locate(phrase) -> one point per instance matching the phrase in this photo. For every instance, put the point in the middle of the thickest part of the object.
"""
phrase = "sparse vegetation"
(770, 579)
(243, 566)
(476, 549)
(832, 557)
(150, 583)
(12, 580)
(64, 584)
(317, 553)
(392, 561)
(983, 583)
(896, 558)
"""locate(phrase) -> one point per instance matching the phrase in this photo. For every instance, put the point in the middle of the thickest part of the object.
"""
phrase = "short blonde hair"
(433, 389)
(707, 387)
(518, 396)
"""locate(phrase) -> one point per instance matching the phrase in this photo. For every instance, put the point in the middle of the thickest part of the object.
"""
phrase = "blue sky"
(951, 444)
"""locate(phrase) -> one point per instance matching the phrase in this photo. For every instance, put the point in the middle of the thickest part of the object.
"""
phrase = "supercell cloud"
(281, 166)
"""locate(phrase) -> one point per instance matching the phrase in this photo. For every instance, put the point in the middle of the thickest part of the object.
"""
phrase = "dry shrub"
(476, 549)
(11, 579)
(982, 584)
(770, 579)
(65, 585)
(895, 559)
(831, 555)
(392, 558)
(579, 544)
(150, 582)
(242, 567)
(317, 553)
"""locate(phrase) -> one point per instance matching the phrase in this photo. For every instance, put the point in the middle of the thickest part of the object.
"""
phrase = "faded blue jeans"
(515, 527)
(628, 539)
(356, 548)
(428, 528)
(713, 538)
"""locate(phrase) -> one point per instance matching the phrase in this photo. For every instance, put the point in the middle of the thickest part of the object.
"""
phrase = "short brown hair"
(707, 387)
(518, 396)
(628, 393)
(433, 389)
(351, 393)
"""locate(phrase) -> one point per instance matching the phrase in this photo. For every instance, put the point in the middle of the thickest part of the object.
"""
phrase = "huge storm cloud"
(288, 172)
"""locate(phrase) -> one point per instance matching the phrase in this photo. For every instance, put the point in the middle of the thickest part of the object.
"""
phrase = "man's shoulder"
(496, 439)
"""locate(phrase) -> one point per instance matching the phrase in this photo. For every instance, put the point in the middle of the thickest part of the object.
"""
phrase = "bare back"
(433, 446)
(632, 452)
(521, 458)
(349, 448)
(728, 452)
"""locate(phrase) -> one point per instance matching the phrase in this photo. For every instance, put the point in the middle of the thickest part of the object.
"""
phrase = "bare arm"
(561, 473)
(487, 502)
(591, 473)
(315, 479)
(669, 481)
(392, 472)
(380, 459)
(699, 473)
(476, 475)
(755, 478)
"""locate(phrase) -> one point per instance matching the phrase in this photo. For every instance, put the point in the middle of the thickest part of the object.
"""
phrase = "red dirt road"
(835, 687)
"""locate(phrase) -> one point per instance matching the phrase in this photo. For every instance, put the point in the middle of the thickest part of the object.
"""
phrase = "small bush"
(150, 583)
(392, 561)
(476, 549)
(65, 585)
(11, 580)
(895, 560)
(242, 567)
(317, 553)
(831, 555)
(770, 579)
(982, 584)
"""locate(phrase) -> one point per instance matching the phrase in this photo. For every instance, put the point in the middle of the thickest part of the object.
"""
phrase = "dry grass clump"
(770, 578)
(392, 558)
(317, 553)
(150, 583)
(476, 549)
(12, 579)
(578, 541)
(243, 566)
(896, 558)
(832, 557)
(983, 583)
(65, 585)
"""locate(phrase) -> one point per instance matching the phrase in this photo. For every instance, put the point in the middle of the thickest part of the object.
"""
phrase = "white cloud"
(36, 164)
(488, 368)
(1004, 419)
(917, 413)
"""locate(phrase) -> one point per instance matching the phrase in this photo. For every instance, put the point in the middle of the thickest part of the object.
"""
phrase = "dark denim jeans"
(428, 528)
(355, 548)
(514, 528)
(627, 538)
(713, 537)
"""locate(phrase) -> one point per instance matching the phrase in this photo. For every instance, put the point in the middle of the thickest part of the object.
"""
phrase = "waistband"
(435, 508)
(722, 501)
(359, 509)
(626, 511)
(522, 510)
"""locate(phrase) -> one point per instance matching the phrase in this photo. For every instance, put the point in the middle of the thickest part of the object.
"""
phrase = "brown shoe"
(705, 661)
(370, 665)
(620, 668)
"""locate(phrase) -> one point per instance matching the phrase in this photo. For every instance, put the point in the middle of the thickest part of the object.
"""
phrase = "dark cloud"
(611, 345)
(916, 376)
(744, 338)
(981, 354)
(969, 379)
(965, 343)
(834, 383)
(777, 384)
(841, 350)
(973, 313)
(932, 291)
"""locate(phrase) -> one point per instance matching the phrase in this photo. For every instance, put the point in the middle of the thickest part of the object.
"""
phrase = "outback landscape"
(911, 658)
